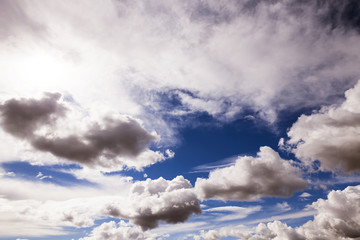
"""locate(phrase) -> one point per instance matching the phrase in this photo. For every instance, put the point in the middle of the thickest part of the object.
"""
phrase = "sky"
(198, 120)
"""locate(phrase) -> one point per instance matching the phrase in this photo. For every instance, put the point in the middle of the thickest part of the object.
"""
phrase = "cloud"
(112, 142)
(120, 137)
(21, 118)
(124, 231)
(269, 68)
(50, 207)
(238, 231)
(14, 20)
(41, 176)
(232, 212)
(337, 217)
(330, 135)
(304, 195)
(162, 200)
(252, 178)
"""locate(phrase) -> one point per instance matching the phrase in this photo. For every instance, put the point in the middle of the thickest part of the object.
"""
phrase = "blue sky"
(199, 120)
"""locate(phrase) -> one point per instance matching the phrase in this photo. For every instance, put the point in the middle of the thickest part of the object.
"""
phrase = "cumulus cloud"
(162, 200)
(330, 135)
(252, 178)
(120, 231)
(100, 144)
(337, 217)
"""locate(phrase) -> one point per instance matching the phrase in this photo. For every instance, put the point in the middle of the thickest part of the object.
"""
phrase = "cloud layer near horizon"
(148, 203)
(337, 217)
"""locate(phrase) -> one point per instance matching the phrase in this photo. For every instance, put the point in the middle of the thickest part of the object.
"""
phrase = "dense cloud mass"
(100, 145)
(252, 178)
(331, 135)
(338, 217)
(162, 200)
(110, 231)
(23, 117)
(117, 138)
(266, 55)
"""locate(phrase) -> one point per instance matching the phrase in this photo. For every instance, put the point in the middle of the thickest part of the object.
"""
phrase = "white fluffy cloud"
(252, 178)
(337, 217)
(162, 200)
(124, 231)
(331, 135)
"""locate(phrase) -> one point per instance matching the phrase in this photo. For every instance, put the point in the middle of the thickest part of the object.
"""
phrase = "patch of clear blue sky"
(58, 173)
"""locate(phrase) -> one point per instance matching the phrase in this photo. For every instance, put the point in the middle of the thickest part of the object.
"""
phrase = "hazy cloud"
(330, 135)
(283, 54)
(252, 178)
(120, 231)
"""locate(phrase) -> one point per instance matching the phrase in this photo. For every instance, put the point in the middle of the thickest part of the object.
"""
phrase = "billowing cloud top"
(162, 200)
(252, 178)
(331, 135)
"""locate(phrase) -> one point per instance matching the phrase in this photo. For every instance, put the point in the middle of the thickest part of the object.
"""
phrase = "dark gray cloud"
(113, 138)
(252, 178)
(116, 138)
(23, 117)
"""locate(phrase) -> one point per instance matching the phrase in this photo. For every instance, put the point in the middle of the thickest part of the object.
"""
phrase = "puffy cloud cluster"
(331, 135)
(337, 217)
(162, 200)
(124, 231)
(252, 178)
(110, 143)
